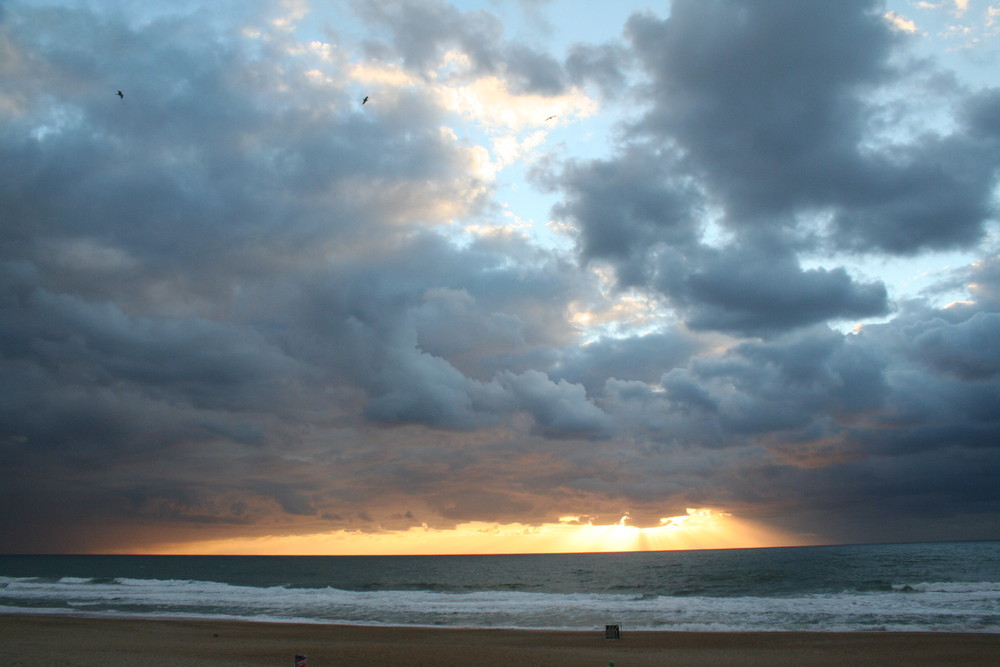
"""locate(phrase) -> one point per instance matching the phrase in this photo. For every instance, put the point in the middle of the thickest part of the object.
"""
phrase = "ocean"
(936, 587)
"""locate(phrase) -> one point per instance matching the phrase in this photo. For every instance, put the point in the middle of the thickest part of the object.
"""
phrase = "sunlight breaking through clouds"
(697, 529)
(734, 256)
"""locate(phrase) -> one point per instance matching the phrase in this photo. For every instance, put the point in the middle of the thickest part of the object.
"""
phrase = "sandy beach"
(85, 642)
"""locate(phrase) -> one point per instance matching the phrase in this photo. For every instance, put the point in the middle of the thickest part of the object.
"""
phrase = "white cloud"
(900, 23)
(489, 101)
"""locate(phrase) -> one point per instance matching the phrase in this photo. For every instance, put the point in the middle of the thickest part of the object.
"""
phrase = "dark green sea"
(946, 587)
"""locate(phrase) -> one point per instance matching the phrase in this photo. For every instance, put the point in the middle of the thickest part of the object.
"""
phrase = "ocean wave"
(950, 587)
(950, 606)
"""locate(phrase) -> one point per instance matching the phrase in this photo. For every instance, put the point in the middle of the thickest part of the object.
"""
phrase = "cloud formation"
(236, 302)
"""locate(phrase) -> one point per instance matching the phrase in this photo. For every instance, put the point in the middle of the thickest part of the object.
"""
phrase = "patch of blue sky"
(963, 36)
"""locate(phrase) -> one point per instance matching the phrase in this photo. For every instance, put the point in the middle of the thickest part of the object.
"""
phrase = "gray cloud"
(749, 117)
(770, 105)
(627, 207)
(759, 287)
(604, 65)
(642, 358)
(421, 33)
(638, 213)
(234, 302)
(982, 114)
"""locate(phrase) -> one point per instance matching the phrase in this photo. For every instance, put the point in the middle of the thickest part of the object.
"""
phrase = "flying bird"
(549, 118)
(121, 94)
(364, 100)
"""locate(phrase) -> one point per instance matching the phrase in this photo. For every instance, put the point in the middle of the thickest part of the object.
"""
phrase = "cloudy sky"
(578, 276)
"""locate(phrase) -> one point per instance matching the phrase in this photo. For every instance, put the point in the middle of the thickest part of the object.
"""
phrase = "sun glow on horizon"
(698, 529)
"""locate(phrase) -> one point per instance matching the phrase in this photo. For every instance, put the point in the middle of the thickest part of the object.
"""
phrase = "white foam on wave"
(956, 607)
(950, 587)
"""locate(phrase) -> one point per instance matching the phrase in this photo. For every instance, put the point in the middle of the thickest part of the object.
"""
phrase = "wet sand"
(85, 642)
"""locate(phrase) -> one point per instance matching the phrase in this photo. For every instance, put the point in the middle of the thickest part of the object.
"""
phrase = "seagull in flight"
(549, 118)
(121, 94)
(364, 100)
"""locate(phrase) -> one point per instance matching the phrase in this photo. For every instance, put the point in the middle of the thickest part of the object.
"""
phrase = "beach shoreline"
(29, 639)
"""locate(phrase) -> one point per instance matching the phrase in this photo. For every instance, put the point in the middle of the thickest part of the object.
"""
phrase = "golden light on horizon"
(697, 529)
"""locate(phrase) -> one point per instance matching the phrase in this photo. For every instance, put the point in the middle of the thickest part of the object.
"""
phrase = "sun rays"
(697, 529)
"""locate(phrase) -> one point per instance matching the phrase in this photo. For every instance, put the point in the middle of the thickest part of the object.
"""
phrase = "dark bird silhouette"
(121, 94)
(364, 100)
(549, 118)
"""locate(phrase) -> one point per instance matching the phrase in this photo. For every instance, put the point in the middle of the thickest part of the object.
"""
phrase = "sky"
(578, 276)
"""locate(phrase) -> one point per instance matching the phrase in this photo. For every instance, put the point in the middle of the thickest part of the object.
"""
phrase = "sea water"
(937, 587)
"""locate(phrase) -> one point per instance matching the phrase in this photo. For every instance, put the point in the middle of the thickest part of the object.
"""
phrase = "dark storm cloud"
(390, 326)
(806, 382)
(759, 287)
(966, 349)
(761, 111)
(629, 206)
(232, 303)
(187, 270)
(642, 358)
(604, 65)
(817, 427)
(643, 214)
(768, 101)
(209, 363)
(762, 94)
(203, 276)
(983, 114)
